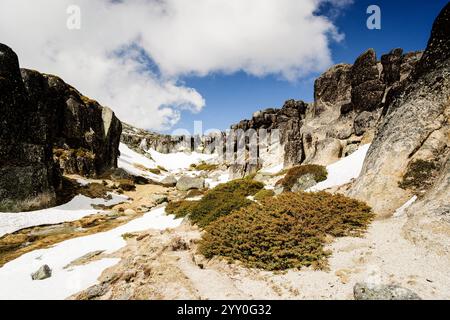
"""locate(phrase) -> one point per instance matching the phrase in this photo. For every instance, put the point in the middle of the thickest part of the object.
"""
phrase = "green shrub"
(180, 208)
(161, 168)
(262, 194)
(240, 187)
(205, 166)
(154, 171)
(292, 175)
(284, 232)
(217, 202)
(419, 176)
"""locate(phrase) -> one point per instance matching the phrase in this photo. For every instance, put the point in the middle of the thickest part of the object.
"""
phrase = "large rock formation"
(413, 141)
(142, 140)
(84, 134)
(348, 103)
(271, 136)
(46, 124)
(28, 176)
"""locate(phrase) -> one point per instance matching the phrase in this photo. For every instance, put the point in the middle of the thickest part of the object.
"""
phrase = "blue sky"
(230, 98)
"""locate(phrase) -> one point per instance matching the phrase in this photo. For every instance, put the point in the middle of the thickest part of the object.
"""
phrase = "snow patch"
(173, 162)
(344, 170)
(15, 278)
(273, 170)
(401, 211)
(223, 178)
(179, 160)
(129, 158)
(79, 207)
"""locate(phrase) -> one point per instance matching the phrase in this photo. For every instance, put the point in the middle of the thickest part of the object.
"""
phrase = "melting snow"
(79, 207)
(129, 158)
(223, 178)
(274, 169)
(15, 278)
(174, 162)
(179, 160)
(400, 211)
(344, 170)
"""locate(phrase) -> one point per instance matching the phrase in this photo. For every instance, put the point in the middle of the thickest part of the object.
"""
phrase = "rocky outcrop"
(142, 140)
(28, 176)
(367, 86)
(271, 135)
(47, 125)
(415, 130)
(85, 135)
(348, 104)
(349, 101)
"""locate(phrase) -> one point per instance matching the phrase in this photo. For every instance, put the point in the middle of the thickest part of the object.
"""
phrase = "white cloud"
(105, 60)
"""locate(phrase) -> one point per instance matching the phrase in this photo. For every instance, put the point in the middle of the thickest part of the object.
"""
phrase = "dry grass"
(144, 168)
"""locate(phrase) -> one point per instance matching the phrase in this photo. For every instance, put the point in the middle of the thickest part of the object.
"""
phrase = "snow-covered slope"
(174, 162)
(15, 278)
(179, 160)
(129, 159)
(77, 208)
(344, 170)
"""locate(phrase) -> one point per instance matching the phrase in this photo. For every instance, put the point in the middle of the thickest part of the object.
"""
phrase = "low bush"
(240, 187)
(284, 232)
(262, 194)
(180, 208)
(292, 175)
(126, 185)
(205, 166)
(217, 202)
(161, 168)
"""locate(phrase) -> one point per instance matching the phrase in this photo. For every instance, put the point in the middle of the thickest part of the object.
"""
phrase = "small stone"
(186, 183)
(169, 181)
(44, 272)
(129, 212)
(159, 198)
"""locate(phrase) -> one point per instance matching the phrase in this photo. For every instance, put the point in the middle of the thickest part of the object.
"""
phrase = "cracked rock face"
(45, 125)
(348, 103)
(86, 133)
(416, 127)
(27, 173)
